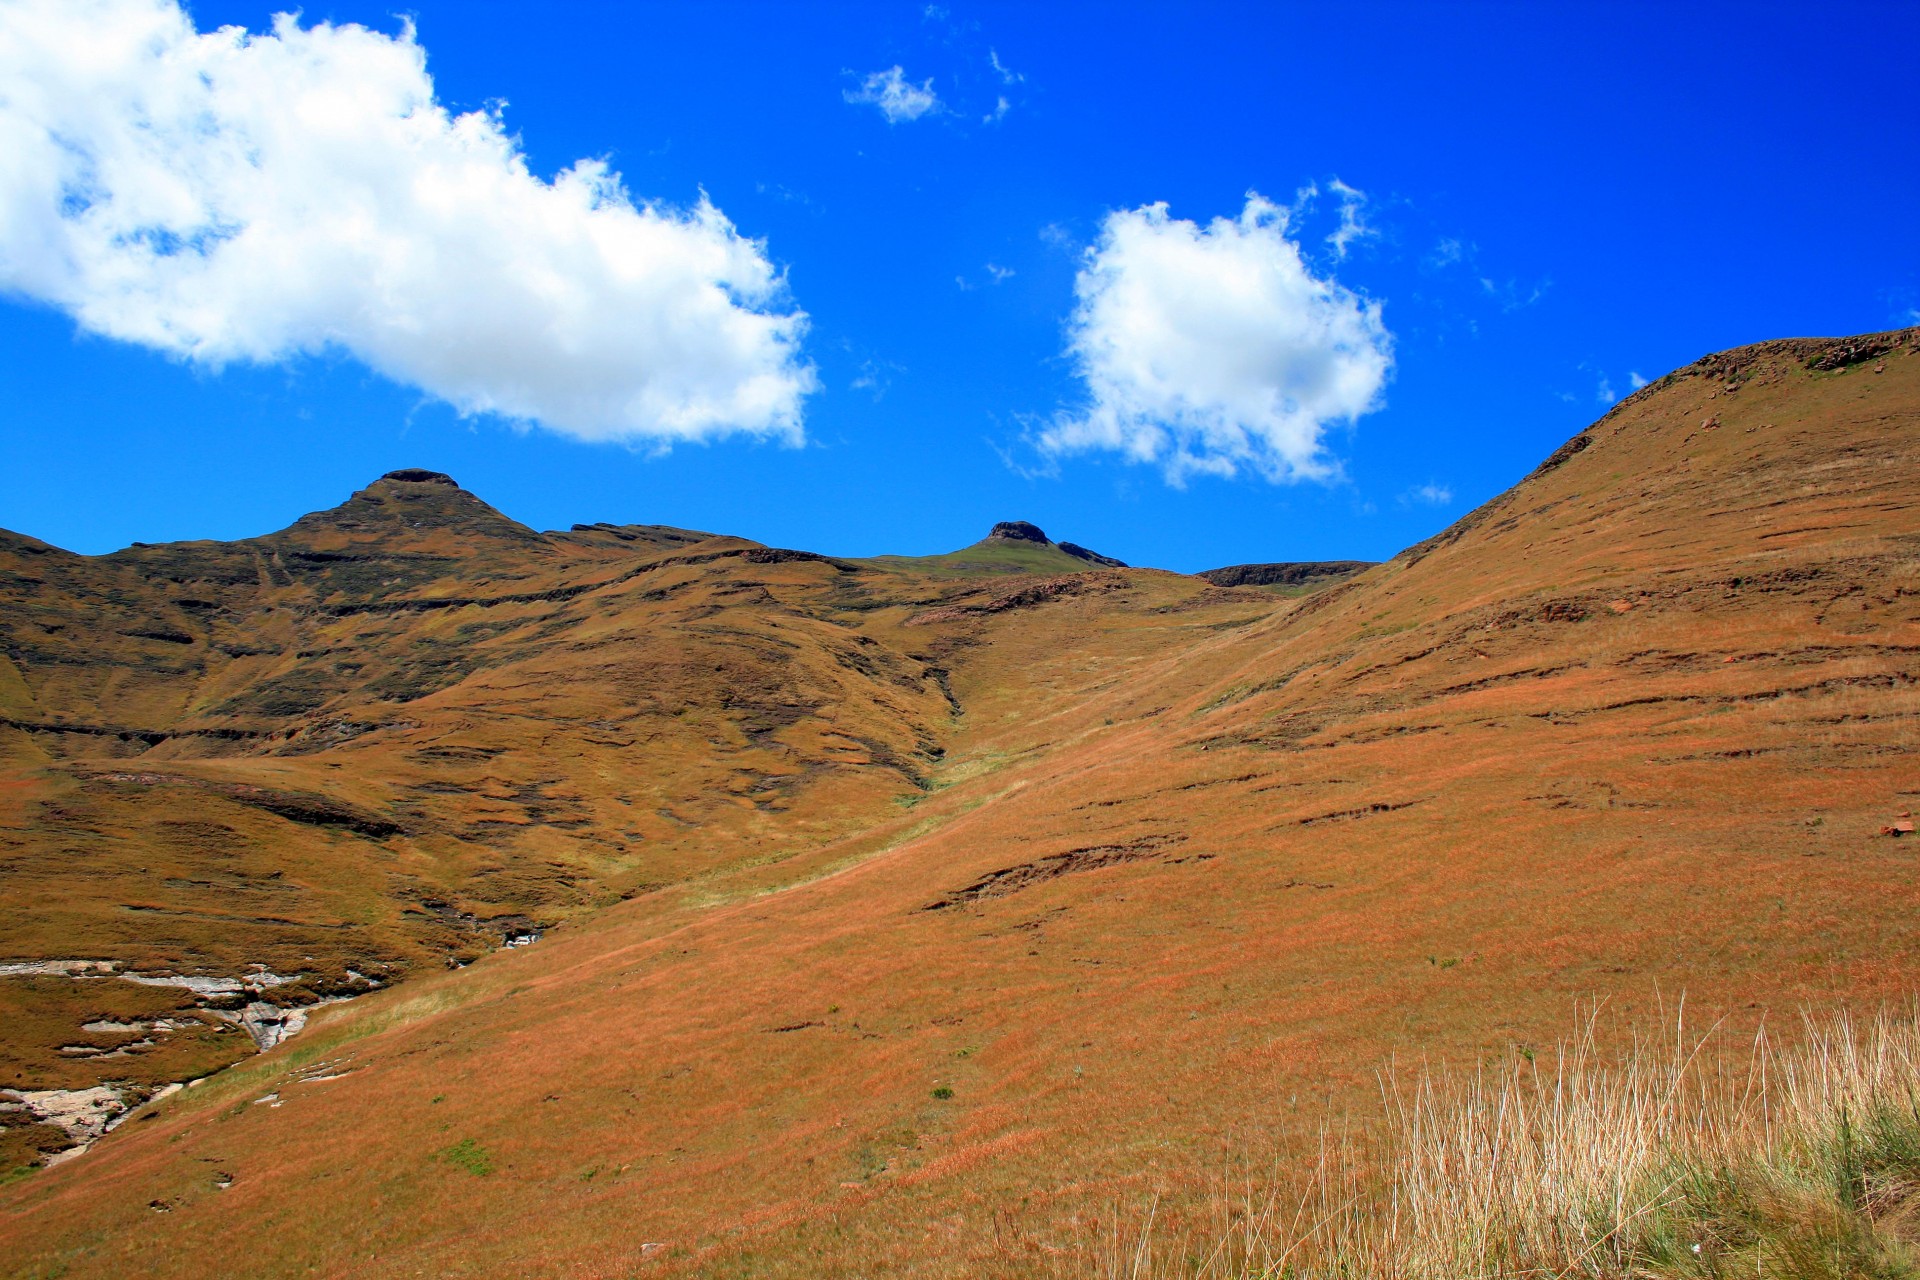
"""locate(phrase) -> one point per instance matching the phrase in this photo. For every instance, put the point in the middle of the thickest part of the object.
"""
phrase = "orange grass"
(1416, 814)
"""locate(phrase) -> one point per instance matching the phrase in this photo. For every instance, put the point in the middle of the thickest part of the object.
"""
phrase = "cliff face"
(873, 895)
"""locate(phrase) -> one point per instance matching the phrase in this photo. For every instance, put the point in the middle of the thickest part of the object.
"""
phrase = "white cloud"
(897, 97)
(1007, 74)
(1209, 349)
(875, 377)
(1353, 224)
(1637, 381)
(1445, 254)
(1430, 494)
(231, 197)
(1603, 386)
(996, 274)
(1509, 294)
(998, 113)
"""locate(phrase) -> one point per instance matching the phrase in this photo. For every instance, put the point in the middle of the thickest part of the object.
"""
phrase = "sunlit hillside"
(659, 903)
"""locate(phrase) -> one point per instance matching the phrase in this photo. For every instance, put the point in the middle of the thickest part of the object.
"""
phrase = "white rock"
(269, 1024)
(58, 968)
(200, 986)
(83, 1114)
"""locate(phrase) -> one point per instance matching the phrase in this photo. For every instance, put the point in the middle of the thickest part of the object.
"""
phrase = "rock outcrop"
(1079, 552)
(1018, 531)
(1288, 573)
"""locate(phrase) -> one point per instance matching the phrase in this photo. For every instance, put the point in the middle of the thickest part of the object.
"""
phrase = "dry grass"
(1686, 1155)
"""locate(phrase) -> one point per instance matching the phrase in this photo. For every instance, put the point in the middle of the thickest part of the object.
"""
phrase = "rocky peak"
(419, 475)
(409, 512)
(1019, 531)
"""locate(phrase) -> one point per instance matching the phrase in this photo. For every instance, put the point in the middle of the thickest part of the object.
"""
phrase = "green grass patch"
(469, 1155)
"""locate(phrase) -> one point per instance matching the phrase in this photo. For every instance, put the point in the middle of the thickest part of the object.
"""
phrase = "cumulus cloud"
(897, 97)
(227, 196)
(1213, 349)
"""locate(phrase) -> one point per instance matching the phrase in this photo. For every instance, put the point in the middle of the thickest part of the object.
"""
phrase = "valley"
(635, 900)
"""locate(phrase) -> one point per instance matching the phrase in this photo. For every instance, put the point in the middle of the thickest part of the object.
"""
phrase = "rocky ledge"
(419, 475)
(1289, 573)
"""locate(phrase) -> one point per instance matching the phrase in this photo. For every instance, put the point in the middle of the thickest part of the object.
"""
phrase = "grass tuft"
(1685, 1157)
(469, 1155)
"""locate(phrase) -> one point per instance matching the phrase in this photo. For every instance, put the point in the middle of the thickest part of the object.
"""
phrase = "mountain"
(400, 733)
(1012, 546)
(898, 921)
(250, 778)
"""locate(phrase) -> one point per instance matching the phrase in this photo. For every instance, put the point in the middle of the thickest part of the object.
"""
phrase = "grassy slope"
(1634, 725)
(987, 556)
(291, 766)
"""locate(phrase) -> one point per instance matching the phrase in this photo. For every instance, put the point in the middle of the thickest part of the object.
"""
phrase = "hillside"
(1010, 547)
(898, 920)
(403, 732)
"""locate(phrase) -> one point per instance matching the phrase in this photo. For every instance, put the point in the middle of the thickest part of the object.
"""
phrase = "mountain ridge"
(1117, 867)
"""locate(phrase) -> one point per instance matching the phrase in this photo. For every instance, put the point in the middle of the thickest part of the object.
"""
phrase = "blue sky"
(1541, 203)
